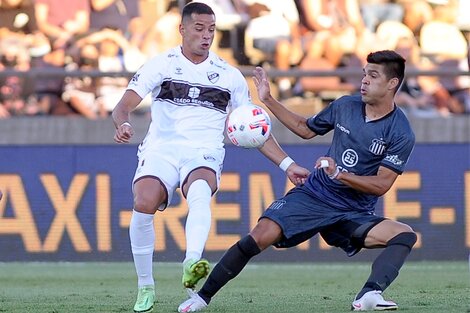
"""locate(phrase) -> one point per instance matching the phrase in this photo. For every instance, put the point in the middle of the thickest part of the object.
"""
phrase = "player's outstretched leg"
(145, 299)
(373, 301)
(194, 271)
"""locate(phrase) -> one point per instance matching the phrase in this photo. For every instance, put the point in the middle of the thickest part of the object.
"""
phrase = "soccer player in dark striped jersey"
(371, 145)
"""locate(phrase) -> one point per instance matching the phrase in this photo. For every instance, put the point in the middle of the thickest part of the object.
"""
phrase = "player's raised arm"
(294, 122)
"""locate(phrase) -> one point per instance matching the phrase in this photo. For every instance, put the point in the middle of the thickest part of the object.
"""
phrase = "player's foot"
(145, 299)
(373, 301)
(194, 304)
(194, 271)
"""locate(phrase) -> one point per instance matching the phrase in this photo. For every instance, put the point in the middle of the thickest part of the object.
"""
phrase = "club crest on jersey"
(377, 147)
(213, 77)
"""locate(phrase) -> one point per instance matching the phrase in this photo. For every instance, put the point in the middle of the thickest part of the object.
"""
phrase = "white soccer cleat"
(194, 304)
(373, 301)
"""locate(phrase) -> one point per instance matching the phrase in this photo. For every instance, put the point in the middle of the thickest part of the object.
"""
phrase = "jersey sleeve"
(324, 121)
(398, 153)
(149, 76)
(240, 94)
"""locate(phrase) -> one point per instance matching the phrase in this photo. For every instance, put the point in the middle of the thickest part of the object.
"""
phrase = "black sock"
(387, 265)
(231, 264)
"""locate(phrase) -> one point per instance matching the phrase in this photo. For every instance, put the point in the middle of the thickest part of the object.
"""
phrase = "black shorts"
(301, 215)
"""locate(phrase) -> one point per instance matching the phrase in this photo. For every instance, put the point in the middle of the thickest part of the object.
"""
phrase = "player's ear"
(393, 83)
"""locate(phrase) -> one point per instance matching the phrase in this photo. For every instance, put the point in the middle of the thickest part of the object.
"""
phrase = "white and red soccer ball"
(248, 126)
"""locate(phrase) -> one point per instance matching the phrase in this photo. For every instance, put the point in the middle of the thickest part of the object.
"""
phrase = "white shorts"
(172, 164)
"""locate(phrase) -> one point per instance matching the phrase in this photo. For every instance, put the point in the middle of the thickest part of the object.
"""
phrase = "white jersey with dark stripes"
(190, 101)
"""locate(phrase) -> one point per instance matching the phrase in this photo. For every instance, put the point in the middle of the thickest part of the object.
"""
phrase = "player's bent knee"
(145, 206)
(248, 246)
(407, 239)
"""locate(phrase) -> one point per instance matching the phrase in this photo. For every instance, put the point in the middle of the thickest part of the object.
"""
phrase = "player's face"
(374, 85)
(197, 35)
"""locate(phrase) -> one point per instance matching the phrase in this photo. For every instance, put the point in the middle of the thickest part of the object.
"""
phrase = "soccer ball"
(248, 126)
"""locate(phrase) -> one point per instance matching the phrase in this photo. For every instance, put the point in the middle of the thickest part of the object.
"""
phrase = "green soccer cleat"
(145, 299)
(194, 271)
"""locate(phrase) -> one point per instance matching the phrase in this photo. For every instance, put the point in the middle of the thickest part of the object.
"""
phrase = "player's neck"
(378, 110)
(194, 58)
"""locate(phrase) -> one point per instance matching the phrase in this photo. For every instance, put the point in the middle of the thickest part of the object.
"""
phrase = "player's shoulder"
(222, 64)
(347, 101)
(401, 120)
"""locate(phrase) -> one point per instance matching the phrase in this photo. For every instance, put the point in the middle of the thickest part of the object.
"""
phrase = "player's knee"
(248, 246)
(143, 205)
(407, 239)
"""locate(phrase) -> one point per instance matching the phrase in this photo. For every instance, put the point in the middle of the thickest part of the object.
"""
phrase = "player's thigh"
(381, 233)
(155, 180)
(202, 164)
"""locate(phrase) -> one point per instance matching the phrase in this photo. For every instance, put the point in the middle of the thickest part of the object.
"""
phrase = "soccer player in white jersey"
(192, 91)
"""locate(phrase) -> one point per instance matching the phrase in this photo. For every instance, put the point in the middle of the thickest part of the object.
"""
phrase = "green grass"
(317, 287)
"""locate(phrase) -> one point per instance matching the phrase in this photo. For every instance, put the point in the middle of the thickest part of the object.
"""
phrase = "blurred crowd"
(117, 36)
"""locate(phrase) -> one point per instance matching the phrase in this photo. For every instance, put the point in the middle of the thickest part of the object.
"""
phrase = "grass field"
(429, 287)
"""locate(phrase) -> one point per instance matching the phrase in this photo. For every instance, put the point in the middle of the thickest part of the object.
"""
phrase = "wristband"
(126, 123)
(285, 163)
(335, 174)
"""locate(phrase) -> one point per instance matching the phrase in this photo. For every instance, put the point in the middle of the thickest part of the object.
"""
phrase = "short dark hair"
(196, 7)
(394, 64)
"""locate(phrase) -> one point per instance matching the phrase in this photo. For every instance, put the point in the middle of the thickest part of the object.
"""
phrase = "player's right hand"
(297, 174)
(124, 133)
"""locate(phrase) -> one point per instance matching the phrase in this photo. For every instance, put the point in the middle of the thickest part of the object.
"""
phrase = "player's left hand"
(297, 174)
(124, 133)
(262, 83)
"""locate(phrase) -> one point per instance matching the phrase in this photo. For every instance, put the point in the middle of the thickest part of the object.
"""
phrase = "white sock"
(198, 222)
(142, 235)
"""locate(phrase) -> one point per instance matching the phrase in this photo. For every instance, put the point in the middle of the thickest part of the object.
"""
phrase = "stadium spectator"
(13, 56)
(232, 18)
(415, 95)
(371, 146)
(416, 14)
(47, 90)
(163, 34)
(273, 30)
(61, 21)
(109, 59)
(80, 92)
(337, 29)
(18, 16)
(445, 46)
(375, 12)
(122, 15)
(192, 92)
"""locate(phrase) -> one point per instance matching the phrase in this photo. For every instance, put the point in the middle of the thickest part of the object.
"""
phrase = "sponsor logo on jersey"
(178, 71)
(209, 158)
(213, 77)
(394, 159)
(377, 147)
(342, 128)
(350, 158)
(135, 79)
(194, 92)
